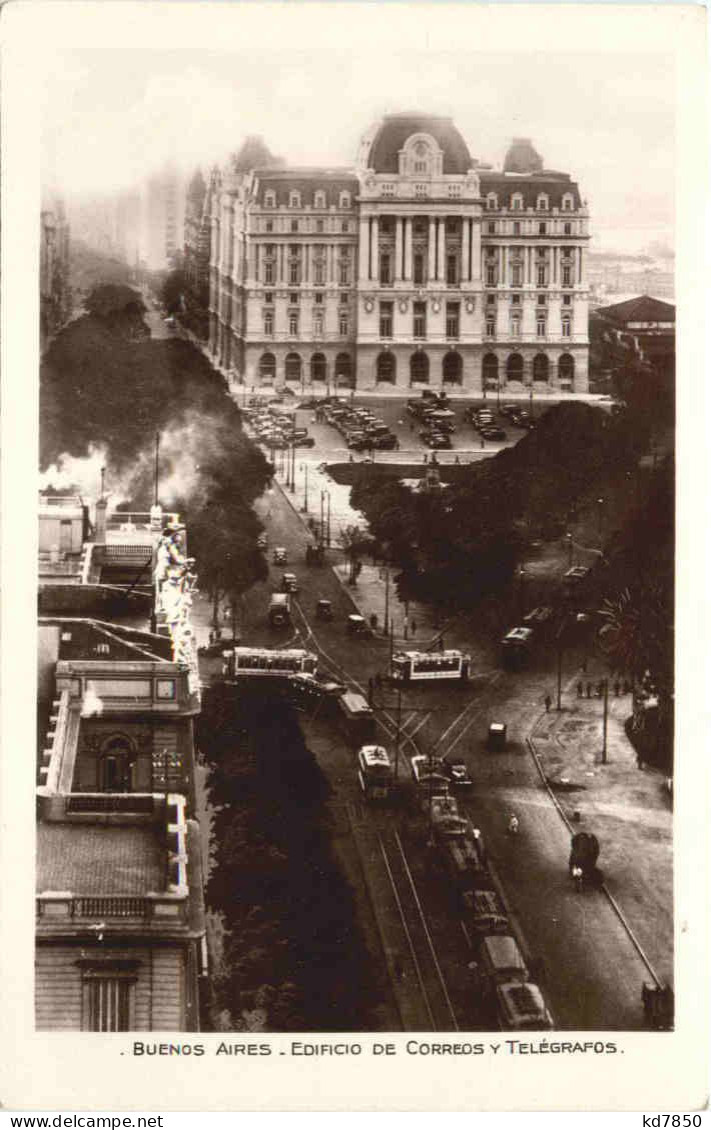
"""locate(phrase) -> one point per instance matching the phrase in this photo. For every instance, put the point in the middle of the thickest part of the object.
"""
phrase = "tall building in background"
(55, 290)
(421, 265)
(163, 219)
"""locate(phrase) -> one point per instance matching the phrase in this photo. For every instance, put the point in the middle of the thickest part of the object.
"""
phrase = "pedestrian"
(413, 626)
(350, 457)
(425, 458)
(456, 458)
(482, 443)
(588, 689)
(616, 688)
(212, 636)
(580, 688)
(548, 700)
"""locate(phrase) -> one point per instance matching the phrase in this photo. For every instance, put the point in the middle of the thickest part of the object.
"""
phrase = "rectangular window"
(491, 300)
(420, 190)
(343, 325)
(108, 1004)
(268, 322)
(269, 272)
(540, 327)
(343, 298)
(491, 228)
(345, 226)
(385, 273)
(454, 190)
(541, 276)
(490, 327)
(319, 273)
(491, 276)
(294, 272)
(387, 190)
(517, 227)
(420, 166)
(516, 275)
(294, 225)
(319, 225)
(269, 225)
(452, 319)
(419, 269)
(268, 295)
(566, 327)
(318, 324)
(452, 270)
(293, 296)
(293, 323)
(318, 298)
(567, 300)
(419, 319)
(516, 299)
(542, 229)
(516, 325)
(567, 276)
(541, 299)
(567, 229)
(343, 272)
(386, 319)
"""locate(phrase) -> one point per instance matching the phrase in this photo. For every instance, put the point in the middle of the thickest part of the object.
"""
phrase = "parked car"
(280, 556)
(387, 442)
(457, 773)
(493, 433)
(289, 583)
(439, 442)
(262, 541)
(304, 441)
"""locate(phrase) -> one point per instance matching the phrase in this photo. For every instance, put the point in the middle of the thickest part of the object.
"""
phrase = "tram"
(414, 666)
(375, 772)
(270, 662)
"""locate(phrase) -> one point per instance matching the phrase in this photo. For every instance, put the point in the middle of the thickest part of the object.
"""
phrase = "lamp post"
(600, 504)
(569, 539)
(305, 507)
(103, 472)
(521, 591)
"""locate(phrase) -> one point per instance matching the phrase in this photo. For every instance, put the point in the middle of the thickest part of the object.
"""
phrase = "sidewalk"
(627, 807)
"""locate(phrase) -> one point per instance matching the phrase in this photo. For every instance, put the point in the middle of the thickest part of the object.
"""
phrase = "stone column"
(431, 262)
(466, 264)
(374, 248)
(363, 249)
(407, 274)
(442, 224)
(398, 272)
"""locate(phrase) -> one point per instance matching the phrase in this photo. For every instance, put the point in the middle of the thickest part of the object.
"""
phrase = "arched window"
(514, 367)
(516, 202)
(294, 199)
(344, 200)
(319, 199)
(540, 367)
(269, 199)
(115, 764)
(344, 369)
(452, 367)
(292, 367)
(566, 369)
(267, 368)
(490, 370)
(318, 367)
(419, 368)
(542, 202)
(568, 202)
(492, 202)
(385, 368)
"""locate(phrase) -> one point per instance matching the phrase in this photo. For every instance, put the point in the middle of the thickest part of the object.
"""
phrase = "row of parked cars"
(361, 429)
(436, 417)
(276, 427)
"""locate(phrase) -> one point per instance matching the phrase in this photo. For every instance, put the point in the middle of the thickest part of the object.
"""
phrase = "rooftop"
(641, 309)
(101, 859)
(394, 131)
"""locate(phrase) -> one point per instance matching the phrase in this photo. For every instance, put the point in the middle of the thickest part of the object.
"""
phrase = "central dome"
(394, 130)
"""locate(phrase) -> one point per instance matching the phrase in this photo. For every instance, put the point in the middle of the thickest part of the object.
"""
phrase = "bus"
(356, 718)
(516, 647)
(411, 666)
(270, 662)
(375, 772)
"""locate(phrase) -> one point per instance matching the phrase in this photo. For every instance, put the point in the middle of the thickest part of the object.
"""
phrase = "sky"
(111, 117)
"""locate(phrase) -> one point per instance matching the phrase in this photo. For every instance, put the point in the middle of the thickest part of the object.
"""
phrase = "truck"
(279, 614)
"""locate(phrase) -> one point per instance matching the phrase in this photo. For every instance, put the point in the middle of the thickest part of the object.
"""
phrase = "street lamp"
(305, 507)
(600, 503)
(521, 593)
(569, 539)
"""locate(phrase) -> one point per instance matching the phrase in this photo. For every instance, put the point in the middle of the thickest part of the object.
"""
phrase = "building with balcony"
(419, 266)
(120, 917)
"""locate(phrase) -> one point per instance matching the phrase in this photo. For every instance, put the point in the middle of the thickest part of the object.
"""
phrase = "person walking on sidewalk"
(588, 689)
(548, 700)
(413, 626)
(580, 688)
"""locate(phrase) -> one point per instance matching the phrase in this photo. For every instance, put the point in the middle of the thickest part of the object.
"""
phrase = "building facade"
(419, 266)
(55, 289)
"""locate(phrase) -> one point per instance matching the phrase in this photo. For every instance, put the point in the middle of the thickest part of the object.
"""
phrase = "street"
(586, 950)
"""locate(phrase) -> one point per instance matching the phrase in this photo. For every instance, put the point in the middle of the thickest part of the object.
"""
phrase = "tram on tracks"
(423, 666)
(269, 662)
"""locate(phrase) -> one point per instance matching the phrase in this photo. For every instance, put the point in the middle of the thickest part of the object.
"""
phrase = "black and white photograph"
(353, 489)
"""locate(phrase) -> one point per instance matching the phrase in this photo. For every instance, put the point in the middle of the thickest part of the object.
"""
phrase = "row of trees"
(294, 953)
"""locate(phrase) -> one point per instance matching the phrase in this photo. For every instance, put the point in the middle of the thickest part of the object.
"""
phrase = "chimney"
(100, 525)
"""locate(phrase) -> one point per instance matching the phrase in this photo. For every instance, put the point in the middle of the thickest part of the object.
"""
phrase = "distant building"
(55, 290)
(419, 266)
(644, 325)
(163, 219)
(196, 256)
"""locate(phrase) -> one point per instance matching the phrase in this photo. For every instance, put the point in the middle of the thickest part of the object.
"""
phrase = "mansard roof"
(394, 131)
(530, 185)
(306, 181)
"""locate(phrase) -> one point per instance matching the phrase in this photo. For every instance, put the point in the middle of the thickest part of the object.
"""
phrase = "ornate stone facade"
(421, 266)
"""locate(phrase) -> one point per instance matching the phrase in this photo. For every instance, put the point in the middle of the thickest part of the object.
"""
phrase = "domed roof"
(522, 157)
(394, 131)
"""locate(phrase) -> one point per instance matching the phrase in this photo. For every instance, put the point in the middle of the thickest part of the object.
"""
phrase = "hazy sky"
(112, 116)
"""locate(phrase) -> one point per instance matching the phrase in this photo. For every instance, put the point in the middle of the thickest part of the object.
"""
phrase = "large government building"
(421, 265)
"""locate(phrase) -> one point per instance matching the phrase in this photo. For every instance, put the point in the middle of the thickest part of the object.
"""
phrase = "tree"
(173, 289)
(355, 542)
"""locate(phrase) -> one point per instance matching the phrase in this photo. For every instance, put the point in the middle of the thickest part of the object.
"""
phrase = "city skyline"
(112, 118)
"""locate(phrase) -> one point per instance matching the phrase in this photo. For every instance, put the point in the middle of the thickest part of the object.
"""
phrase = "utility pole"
(604, 721)
(155, 476)
(305, 507)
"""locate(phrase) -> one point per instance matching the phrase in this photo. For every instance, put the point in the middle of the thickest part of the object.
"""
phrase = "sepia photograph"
(356, 408)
